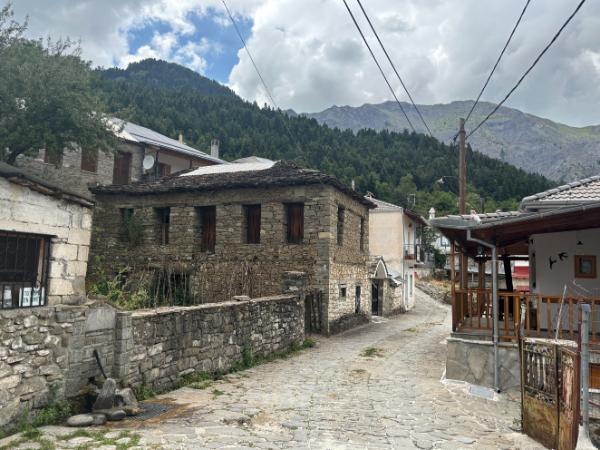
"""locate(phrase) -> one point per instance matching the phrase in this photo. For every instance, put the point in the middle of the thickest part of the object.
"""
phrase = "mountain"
(537, 145)
(171, 99)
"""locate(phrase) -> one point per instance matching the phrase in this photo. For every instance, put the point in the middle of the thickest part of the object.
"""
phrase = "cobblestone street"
(377, 387)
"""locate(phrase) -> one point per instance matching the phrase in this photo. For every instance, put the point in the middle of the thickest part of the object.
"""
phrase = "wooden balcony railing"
(542, 315)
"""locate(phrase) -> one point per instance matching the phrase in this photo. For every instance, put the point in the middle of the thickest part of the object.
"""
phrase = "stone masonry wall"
(165, 344)
(69, 224)
(70, 176)
(392, 299)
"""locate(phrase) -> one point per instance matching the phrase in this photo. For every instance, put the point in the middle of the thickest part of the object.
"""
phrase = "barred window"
(24, 260)
(164, 223)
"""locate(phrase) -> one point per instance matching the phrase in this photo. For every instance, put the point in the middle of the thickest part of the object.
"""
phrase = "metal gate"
(312, 312)
(550, 391)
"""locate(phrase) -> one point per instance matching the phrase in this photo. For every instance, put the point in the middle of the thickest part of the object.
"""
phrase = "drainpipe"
(494, 303)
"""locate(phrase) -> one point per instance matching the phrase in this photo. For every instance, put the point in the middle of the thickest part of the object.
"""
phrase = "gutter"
(494, 303)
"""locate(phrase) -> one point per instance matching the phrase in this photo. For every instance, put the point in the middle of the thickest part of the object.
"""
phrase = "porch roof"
(511, 231)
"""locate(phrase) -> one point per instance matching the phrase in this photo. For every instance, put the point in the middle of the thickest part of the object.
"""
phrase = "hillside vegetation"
(392, 165)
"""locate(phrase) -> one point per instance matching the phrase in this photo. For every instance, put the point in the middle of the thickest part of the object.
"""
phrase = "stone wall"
(473, 361)
(70, 176)
(164, 344)
(392, 299)
(67, 223)
(238, 268)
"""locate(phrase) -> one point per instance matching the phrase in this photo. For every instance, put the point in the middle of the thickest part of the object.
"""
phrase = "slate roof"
(139, 134)
(281, 173)
(24, 178)
(578, 192)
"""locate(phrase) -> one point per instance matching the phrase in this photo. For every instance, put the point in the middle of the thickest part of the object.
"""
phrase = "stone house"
(217, 232)
(143, 154)
(386, 289)
(396, 235)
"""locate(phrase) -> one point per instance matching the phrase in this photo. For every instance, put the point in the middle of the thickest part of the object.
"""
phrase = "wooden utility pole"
(462, 169)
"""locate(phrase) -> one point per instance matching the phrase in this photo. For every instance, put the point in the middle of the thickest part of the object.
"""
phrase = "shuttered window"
(122, 168)
(295, 223)
(89, 160)
(208, 228)
(164, 223)
(252, 224)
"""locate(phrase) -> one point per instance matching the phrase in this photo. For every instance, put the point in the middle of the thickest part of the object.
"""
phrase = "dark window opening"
(164, 223)
(126, 224)
(162, 170)
(89, 160)
(172, 288)
(24, 260)
(362, 234)
(122, 168)
(357, 300)
(53, 157)
(295, 223)
(252, 224)
(207, 216)
(343, 291)
(340, 224)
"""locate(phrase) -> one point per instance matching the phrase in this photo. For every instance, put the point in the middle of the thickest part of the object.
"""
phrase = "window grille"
(24, 260)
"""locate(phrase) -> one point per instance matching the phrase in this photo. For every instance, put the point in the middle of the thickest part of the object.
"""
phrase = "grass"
(371, 352)
(99, 439)
(217, 393)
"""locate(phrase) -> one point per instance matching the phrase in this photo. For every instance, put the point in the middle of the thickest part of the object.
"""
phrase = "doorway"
(375, 298)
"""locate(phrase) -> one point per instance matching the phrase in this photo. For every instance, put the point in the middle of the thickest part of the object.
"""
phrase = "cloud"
(312, 57)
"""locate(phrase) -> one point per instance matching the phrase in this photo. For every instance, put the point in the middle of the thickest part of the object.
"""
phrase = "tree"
(47, 98)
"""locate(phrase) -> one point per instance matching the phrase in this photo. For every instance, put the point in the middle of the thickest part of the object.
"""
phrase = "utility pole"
(462, 169)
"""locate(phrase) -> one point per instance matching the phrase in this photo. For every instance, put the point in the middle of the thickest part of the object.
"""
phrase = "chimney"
(431, 213)
(214, 148)
(181, 138)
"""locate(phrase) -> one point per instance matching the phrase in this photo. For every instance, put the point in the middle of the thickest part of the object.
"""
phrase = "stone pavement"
(376, 387)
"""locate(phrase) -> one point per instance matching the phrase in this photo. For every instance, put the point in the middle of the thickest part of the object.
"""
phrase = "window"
(162, 170)
(340, 225)
(585, 266)
(24, 260)
(122, 168)
(89, 160)
(343, 291)
(126, 222)
(295, 223)
(164, 223)
(51, 157)
(252, 224)
(362, 234)
(207, 218)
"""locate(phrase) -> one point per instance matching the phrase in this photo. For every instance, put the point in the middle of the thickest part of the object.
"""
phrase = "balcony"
(417, 254)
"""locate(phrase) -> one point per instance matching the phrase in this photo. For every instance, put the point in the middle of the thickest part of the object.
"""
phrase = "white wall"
(545, 246)
(69, 224)
(386, 237)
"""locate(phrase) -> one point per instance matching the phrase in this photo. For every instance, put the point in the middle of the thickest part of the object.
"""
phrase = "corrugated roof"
(229, 168)
(139, 134)
(582, 191)
(384, 206)
(281, 173)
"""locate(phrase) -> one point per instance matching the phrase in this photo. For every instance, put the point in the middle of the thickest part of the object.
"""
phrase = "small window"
(340, 225)
(89, 160)
(343, 291)
(207, 219)
(252, 224)
(126, 218)
(53, 157)
(295, 223)
(164, 222)
(162, 170)
(585, 266)
(362, 234)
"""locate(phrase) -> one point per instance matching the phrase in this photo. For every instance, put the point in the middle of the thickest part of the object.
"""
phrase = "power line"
(292, 137)
(530, 67)
(394, 67)
(378, 66)
(498, 60)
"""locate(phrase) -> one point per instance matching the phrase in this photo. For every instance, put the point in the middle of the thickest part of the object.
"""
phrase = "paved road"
(333, 396)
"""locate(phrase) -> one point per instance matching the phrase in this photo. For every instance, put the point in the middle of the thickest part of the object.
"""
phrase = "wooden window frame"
(89, 161)
(341, 218)
(207, 224)
(119, 176)
(294, 213)
(164, 224)
(252, 223)
(578, 260)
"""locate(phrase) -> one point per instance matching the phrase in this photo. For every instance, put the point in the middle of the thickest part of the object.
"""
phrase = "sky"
(312, 57)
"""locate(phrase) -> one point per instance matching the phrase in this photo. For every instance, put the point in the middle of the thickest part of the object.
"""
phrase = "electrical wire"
(498, 60)
(530, 67)
(394, 67)
(378, 65)
(262, 80)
